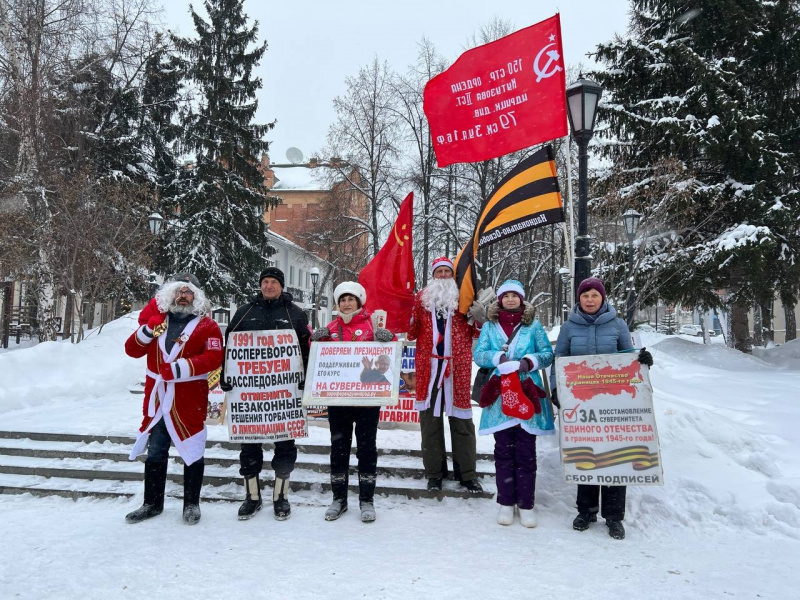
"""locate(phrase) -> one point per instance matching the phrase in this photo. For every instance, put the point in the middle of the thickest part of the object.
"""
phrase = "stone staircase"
(69, 465)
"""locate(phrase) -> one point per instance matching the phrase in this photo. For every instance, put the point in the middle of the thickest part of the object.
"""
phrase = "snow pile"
(786, 355)
(53, 371)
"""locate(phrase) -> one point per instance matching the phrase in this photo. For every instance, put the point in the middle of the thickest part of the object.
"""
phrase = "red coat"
(359, 329)
(182, 402)
(458, 380)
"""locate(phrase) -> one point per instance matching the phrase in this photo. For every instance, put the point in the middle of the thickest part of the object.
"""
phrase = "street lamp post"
(564, 273)
(314, 280)
(582, 99)
(155, 221)
(631, 220)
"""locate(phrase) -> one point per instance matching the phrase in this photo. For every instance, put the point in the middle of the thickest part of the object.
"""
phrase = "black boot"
(280, 499)
(366, 495)
(435, 484)
(615, 529)
(582, 521)
(252, 500)
(192, 483)
(155, 480)
(339, 504)
(473, 486)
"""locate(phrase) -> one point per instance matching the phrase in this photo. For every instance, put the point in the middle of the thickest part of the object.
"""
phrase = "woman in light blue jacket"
(512, 334)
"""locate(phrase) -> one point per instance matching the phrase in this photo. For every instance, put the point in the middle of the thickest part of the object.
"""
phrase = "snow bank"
(51, 371)
(786, 355)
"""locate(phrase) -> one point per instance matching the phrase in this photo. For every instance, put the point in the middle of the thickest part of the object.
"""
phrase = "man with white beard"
(182, 345)
(444, 375)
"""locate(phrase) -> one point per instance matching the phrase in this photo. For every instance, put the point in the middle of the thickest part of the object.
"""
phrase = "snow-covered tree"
(217, 229)
(698, 85)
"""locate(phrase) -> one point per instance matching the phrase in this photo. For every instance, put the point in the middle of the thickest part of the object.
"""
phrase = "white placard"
(265, 368)
(353, 374)
(608, 430)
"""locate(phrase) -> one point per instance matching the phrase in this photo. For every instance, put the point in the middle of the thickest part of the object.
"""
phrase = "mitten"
(645, 357)
(320, 334)
(490, 392)
(554, 398)
(502, 359)
(157, 325)
(166, 371)
(525, 365)
(534, 393)
(383, 335)
(477, 312)
(225, 386)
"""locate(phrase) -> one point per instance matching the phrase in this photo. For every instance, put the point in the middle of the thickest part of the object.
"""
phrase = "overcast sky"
(314, 45)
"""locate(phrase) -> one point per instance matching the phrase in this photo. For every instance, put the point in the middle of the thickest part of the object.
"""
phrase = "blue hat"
(511, 285)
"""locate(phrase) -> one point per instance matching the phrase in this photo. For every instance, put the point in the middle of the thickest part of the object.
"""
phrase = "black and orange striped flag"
(527, 197)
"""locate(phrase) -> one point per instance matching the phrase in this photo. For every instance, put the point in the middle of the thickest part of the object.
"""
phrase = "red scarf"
(508, 320)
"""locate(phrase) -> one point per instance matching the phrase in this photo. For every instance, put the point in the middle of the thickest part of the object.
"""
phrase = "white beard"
(181, 309)
(441, 295)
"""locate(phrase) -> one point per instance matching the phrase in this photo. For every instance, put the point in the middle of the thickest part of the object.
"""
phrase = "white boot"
(527, 517)
(505, 516)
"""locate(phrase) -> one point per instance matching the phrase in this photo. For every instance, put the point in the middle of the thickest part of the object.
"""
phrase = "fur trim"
(509, 367)
(528, 313)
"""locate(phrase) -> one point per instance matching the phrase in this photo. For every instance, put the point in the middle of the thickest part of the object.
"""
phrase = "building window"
(300, 278)
(291, 275)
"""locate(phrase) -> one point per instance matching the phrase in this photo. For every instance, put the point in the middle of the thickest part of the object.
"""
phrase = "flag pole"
(569, 242)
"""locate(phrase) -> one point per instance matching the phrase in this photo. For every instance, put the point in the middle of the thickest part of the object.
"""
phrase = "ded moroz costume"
(182, 345)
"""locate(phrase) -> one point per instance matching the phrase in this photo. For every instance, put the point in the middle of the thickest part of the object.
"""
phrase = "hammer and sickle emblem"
(403, 241)
(543, 72)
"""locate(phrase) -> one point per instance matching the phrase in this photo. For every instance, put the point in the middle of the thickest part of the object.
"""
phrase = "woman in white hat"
(353, 324)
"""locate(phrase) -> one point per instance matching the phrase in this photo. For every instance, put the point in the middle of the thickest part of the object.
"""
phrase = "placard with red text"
(607, 427)
(265, 369)
(353, 374)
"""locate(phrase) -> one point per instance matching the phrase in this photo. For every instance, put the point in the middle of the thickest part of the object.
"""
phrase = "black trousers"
(251, 459)
(365, 419)
(611, 498)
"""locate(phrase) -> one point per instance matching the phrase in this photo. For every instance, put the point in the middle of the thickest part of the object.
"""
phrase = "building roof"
(298, 178)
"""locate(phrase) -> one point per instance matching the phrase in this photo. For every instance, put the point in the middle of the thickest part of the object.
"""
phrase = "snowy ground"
(725, 525)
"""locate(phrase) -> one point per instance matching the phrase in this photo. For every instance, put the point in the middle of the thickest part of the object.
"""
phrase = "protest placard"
(608, 430)
(404, 413)
(353, 374)
(216, 399)
(265, 369)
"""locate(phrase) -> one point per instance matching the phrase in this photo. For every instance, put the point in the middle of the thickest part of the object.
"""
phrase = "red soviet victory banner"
(389, 277)
(500, 97)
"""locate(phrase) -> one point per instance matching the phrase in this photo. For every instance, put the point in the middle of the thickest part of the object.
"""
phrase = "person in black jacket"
(271, 309)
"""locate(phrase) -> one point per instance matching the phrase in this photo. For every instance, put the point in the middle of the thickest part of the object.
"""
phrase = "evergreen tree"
(697, 85)
(218, 231)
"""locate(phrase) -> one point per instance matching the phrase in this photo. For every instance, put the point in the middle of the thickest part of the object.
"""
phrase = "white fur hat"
(352, 288)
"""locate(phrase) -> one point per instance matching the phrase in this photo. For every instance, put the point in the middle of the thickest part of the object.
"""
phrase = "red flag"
(501, 97)
(389, 277)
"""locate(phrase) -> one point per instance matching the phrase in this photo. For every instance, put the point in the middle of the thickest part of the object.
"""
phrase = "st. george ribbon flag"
(527, 197)
(501, 97)
(389, 277)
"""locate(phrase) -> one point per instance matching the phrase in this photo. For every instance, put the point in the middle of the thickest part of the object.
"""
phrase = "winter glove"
(490, 392)
(525, 365)
(554, 398)
(503, 359)
(166, 371)
(477, 312)
(645, 357)
(301, 386)
(383, 335)
(157, 325)
(225, 386)
(320, 334)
